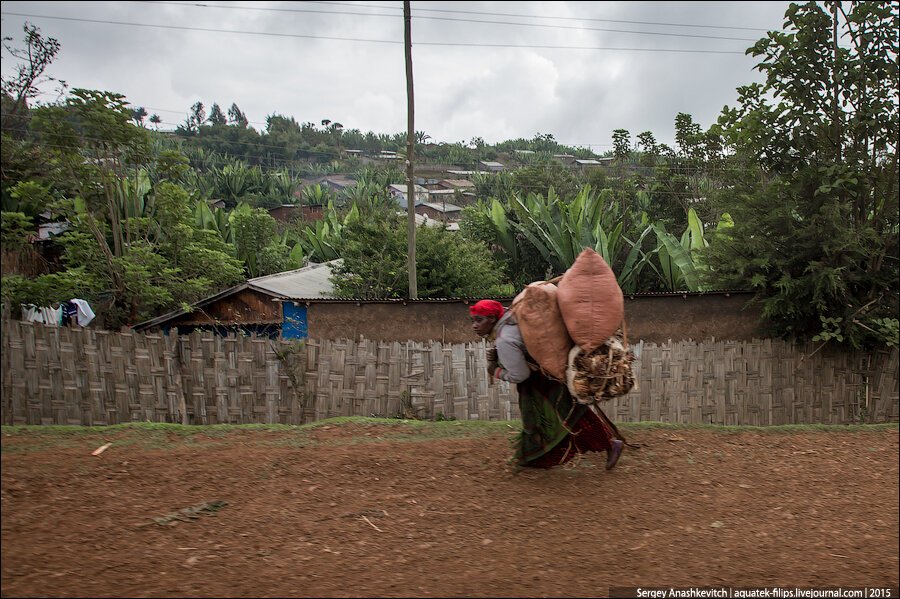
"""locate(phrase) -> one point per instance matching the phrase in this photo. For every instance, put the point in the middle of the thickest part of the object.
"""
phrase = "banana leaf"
(676, 258)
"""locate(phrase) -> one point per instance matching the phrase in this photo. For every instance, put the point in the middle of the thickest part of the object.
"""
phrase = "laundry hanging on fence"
(31, 313)
(42, 314)
(69, 312)
(74, 311)
(84, 314)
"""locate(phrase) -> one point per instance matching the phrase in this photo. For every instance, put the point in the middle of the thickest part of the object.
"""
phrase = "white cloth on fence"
(52, 316)
(42, 314)
(85, 315)
(31, 313)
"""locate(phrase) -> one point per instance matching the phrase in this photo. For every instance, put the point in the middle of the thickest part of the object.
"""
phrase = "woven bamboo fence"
(79, 376)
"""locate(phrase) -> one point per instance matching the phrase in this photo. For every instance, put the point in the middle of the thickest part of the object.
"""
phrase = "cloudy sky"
(495, 70)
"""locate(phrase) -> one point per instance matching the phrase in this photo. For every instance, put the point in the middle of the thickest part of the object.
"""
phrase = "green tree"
(816, 234)
(540, 179)
(133, 234)
(254, 230)
(621, 144)
(21, 87)
(216, 116)
(138, 115)
(236, 116)
(196, 118)
(446, 264)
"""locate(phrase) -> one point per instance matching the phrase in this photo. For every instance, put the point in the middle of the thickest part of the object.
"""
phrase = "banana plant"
(284, 186)
(677, 265)
(316, 195)
(635, 262)
(214, 219)
(131, 195)
(322, 239)
(232, 182)
(130, 209)
(560, 231)
(506, 237)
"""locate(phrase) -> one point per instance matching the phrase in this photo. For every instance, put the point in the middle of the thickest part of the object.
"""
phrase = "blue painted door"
(295, 325)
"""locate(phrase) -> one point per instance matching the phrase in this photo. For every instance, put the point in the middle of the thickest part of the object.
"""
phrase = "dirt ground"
(382, 509)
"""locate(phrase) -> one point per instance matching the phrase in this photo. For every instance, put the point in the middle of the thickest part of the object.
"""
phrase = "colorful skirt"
(555, 428)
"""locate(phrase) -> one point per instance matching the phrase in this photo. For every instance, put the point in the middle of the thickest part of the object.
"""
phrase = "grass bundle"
(602, 374)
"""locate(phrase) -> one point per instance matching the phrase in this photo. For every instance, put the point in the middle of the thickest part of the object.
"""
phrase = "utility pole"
(410, 142)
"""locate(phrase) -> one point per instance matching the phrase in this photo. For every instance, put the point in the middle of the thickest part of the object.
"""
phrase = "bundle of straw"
(601, 375)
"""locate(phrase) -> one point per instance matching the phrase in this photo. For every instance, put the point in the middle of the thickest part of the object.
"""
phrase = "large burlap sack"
(542, 328)
(590, 301)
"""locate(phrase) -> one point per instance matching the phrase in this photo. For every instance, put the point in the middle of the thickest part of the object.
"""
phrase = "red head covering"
(487, 308)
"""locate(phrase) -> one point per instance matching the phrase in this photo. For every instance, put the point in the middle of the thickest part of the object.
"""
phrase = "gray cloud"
(497, 93)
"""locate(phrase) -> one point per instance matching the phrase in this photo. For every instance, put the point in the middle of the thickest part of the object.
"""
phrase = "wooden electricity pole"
(410, 142)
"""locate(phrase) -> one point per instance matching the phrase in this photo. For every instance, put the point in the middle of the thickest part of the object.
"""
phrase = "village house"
(398, 192)
(441, 194)
(338, 183)
(289, 212)
(388, 155)
(443, 211)
(462, 184)
(588, 163)
(491, 166)
(267, 305)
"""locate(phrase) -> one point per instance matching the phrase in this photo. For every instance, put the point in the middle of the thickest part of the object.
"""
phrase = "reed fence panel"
(79, 376)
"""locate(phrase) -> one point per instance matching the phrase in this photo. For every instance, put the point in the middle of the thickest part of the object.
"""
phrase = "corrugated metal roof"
(457, 182)
(443, 206)
(309, 281)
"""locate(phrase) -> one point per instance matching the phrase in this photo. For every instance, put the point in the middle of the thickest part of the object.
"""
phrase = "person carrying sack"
(555, 428)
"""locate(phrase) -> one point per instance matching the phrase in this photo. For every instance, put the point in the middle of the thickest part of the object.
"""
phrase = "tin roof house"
(398, 191)
(265, 305)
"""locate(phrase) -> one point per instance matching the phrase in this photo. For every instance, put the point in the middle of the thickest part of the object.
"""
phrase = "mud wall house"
(263, 305)
(440, 210)
(286, 212)
(289, 212)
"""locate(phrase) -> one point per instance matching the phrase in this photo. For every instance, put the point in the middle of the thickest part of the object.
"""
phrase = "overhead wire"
(459, 44)
(453, 19)
(393, 42)
(419, 9)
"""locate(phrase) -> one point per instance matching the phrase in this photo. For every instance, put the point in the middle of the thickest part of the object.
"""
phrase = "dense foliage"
(792, 194)
(817, 236)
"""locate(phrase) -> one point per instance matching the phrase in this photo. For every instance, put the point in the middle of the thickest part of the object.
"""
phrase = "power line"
(204, 29)
(500, 14)
(350, 39)
(461, 20)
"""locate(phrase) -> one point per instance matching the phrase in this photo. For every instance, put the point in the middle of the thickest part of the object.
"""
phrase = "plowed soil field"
(386, 508)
